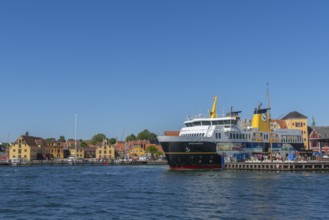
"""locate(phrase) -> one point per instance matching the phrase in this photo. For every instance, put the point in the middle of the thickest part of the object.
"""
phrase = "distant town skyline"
(135, 65)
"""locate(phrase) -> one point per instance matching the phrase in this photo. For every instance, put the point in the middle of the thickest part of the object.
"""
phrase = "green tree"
(98, 138)
(112, 140)
(131, 137)
(83, 144)
(153, 138)
(61, 139)
(158, 154)
(152, 150)
(144, 135)
(147, 135)
(27, 134)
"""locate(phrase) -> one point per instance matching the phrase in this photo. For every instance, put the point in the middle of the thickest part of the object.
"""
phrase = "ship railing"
(191, 117)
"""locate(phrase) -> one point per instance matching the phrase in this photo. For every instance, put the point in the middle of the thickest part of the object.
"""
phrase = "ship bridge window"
(205, 122)
(189, 124)
(230, 122)
(196, 123)
(217, 122)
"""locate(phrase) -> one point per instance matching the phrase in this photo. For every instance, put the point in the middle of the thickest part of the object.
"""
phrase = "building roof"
(171, 133)
(281, 123)
(120, 146)
(322, 131)
(32, 141)
(294, 115)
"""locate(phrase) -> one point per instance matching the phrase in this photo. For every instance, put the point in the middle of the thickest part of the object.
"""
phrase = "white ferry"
(204, 141)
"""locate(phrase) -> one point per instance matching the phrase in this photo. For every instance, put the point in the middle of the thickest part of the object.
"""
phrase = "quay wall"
(80, 163)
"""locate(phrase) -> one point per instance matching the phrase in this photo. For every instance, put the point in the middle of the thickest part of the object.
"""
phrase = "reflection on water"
(155, 192)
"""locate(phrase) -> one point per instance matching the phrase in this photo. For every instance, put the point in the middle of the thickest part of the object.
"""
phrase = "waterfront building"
(3, 153)
(120, 148)
(104, 151)
(295, 120)
(89, 152)
(58, 150)
(278, 124)
(171, 133)
(319, 138)
(29, 148)
(71, 143)
(138, 144)
(137, 147)
(83, 152)
(136, 151)
(79, 153)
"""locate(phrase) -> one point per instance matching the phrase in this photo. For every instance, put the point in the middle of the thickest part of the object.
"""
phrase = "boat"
(18, 161)
(206, 141)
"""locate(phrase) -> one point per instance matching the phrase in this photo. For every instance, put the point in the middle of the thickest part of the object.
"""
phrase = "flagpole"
(269, 121)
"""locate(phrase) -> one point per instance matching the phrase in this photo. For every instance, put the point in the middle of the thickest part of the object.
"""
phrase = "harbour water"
(155, 192)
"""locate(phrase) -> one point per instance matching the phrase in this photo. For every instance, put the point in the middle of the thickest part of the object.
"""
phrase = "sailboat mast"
(125, 143)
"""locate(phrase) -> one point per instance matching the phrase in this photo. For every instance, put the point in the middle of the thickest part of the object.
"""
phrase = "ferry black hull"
(203, 155)
(192, 155)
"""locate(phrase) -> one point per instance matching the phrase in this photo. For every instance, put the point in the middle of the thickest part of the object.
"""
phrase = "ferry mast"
(213, 113)
(269, 121)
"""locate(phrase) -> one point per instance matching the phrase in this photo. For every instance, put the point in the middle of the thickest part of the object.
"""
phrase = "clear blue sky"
(147, 64)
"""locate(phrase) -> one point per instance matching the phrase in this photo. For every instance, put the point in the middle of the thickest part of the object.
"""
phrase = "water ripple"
(154, 192)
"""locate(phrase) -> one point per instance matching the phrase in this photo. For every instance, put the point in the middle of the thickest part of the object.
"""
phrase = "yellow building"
(83, 152)
(29, 148)
(295, 120)
(80, 152)
(104, 151)
(136, 151)
(57, 149)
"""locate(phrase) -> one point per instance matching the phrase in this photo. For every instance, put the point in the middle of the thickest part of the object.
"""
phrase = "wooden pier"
(279, 166)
